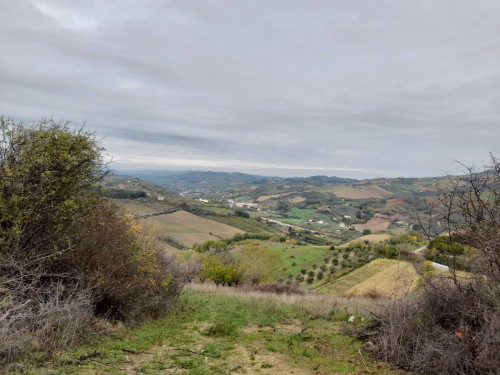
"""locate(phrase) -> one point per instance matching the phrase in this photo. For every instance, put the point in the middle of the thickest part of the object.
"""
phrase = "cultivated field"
(358, 192)
(384, 276)
(189, 229)
(395, 279)
(264, 198)
(377, 222)
(297, 199)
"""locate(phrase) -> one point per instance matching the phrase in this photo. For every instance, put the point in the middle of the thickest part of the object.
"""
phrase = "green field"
(303, 256)
(210, 333)
(302, 216)
(219, 210)
(143, 207)
(246, 224)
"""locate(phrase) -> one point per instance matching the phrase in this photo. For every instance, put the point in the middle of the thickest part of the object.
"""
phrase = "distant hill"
(195, 183)
(321, 179)
(199, 181)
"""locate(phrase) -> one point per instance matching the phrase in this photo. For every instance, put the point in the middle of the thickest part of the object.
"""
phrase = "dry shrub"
(42, 315)
(129, 272)
(454, 326)
(372, 293)
(275, 288)
(449, 329)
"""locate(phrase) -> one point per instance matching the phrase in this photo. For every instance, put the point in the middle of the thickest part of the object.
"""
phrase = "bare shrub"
(130, 274)
(446, 331)
(275, 288)
(453, 327)
(42, 315)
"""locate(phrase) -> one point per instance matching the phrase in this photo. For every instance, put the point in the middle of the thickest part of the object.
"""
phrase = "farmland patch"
(189, 229)
(359, 192)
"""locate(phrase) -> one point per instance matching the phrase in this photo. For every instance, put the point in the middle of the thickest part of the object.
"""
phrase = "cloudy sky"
(273, 87)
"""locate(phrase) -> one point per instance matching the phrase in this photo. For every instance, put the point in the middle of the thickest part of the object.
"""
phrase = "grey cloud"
(362, 88)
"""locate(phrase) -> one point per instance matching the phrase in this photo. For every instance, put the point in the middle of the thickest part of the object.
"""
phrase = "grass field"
(219, 331)
(385, 276)
(302, 256)
(144, 207)
(219, 210)
(189, 229)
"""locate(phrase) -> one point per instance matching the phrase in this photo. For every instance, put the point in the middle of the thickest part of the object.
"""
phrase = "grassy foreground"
(222, 331)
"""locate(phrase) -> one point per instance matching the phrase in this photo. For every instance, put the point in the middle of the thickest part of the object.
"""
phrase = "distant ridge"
(189, 180)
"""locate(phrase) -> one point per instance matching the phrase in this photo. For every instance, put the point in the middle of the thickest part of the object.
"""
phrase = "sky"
(272, 87)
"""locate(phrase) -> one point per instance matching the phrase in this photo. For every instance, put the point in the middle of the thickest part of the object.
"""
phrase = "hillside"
(222, 331)
(381, 277)
(188, 229)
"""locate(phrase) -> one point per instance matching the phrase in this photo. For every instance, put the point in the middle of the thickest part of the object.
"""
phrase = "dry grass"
(369, 237)
(316, 305)
(394, 202)
(264, 198)
(396, 279)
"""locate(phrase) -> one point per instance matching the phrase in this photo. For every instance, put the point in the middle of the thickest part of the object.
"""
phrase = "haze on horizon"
(289, 88)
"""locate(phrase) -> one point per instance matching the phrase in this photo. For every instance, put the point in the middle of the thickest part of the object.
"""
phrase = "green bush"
(66, 254)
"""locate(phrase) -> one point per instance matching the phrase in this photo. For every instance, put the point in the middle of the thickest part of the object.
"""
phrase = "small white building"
(160, 198)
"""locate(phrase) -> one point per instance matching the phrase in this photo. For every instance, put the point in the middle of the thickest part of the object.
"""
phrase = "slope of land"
(189, 229)
(359, 191)
(218, 331)
(370, 238)
(385, 277)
